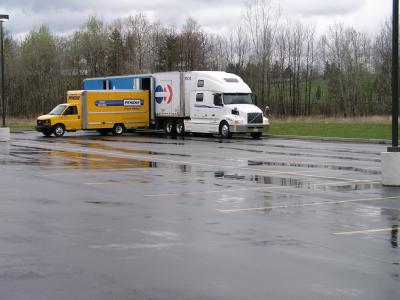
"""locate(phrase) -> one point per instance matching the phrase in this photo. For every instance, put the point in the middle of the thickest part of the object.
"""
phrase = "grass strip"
(339, 130)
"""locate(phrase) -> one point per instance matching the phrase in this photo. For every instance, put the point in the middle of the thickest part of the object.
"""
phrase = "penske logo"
(124, 102)
(133, 102)
(163, 93)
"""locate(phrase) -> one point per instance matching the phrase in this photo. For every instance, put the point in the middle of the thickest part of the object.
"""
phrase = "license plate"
(255, 129)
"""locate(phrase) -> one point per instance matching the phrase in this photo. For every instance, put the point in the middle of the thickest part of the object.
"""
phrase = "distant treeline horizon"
(343, 72)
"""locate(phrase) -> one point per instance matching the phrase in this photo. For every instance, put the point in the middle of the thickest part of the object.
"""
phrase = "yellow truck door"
(71, 118)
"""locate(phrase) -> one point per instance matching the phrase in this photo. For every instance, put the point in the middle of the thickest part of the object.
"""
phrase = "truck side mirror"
(218, 100)
(254, 99)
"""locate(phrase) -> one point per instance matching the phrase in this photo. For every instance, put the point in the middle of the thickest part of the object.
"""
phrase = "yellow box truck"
(102, 110)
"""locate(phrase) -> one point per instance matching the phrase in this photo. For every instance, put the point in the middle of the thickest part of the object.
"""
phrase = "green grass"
(340, 130)
(17, 125)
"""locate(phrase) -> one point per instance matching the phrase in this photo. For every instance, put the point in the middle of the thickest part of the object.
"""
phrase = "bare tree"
(261, 19)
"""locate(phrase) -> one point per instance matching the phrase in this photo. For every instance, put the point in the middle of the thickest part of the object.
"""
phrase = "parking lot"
(144, 216)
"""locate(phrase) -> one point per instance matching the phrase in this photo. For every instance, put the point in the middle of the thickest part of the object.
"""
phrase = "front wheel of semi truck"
(169, 127)
(118, 129)
(224, 130)
(59, 130)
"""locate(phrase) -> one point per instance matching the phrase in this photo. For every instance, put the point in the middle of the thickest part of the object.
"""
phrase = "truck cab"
(222, 103)
(63, 117)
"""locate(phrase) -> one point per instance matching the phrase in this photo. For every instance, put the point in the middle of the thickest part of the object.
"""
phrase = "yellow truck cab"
(104, 111)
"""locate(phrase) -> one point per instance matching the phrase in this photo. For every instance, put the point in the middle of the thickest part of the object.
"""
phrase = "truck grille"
(253, 118)
(39, 122)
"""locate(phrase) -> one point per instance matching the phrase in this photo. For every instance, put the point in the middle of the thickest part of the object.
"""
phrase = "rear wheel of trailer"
(180, 127)
(169, 126)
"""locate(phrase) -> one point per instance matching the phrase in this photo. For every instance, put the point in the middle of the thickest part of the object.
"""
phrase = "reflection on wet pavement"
(310, 165)
(394, 238)
(297, 183)
(77, 160)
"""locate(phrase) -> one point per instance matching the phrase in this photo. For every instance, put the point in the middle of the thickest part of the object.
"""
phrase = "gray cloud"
(215, 15)
(322, 8)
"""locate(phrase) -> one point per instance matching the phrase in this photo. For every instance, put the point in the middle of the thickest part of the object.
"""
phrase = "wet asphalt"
(144, 216)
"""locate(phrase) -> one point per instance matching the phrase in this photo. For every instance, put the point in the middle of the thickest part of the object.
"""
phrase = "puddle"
(296, 183)
(77, 160)
(80, 160)
(95, 145)
(352, 187)
(313, 166)
(308, 155)
(270, 180)
(122, 140)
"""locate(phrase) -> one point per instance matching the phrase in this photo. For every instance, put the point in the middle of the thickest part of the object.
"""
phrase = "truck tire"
(256, 135)
(169, 127)
(118, 129)
(59, 130)
(224, 130)
(180, 127)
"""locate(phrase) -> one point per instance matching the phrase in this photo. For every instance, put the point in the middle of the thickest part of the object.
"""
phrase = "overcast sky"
(63, 16)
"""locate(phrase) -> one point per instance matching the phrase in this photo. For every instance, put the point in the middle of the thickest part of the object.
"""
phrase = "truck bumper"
(42, 128)
(247, 128)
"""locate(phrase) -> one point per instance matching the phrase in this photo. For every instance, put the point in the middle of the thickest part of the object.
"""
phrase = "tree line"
(342, 72)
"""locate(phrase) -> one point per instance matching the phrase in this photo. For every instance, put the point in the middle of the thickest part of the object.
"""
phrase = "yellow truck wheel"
(118, 129)
(59, 130)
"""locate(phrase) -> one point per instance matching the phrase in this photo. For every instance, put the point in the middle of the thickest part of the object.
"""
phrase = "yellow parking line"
(304, 204)
(344, 233)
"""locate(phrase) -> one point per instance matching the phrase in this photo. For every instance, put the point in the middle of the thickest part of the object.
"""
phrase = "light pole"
(391, 159)
(395, 78)
(3, 106)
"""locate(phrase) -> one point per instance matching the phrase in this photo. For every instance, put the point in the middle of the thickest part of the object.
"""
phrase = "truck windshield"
(58, 110)
(237, 99)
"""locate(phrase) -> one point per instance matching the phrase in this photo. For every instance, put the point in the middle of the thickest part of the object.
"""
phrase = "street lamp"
(3, 106)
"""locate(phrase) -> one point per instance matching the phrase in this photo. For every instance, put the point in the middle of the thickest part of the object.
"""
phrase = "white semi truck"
(198, 101)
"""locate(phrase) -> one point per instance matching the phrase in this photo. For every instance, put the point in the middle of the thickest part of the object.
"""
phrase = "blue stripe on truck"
(124, 102)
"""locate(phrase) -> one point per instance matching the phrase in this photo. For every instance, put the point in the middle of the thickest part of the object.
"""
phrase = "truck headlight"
(46, 122)
(238, 121)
